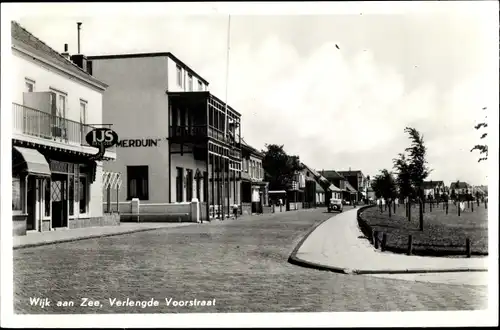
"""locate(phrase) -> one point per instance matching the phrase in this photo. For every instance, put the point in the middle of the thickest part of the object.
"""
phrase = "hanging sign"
(101, 138)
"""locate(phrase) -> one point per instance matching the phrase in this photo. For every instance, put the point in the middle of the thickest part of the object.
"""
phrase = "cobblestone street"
(242, 264)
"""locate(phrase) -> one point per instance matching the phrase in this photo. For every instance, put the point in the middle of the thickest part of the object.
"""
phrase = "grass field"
(443, 234)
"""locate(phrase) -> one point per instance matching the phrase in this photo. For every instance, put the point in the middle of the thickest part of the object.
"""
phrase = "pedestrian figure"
(462, 206)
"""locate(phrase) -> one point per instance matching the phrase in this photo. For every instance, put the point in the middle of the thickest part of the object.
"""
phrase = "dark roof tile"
(27, 40)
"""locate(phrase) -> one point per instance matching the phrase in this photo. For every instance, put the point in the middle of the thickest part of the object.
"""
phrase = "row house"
(177, 140)
(56, 184)
(434, 188)
(358, 181)
(460, 188)
(318, 189)
(254, 190)
(348, 193)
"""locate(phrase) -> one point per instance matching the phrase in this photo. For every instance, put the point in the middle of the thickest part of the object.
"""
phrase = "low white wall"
(190, 211)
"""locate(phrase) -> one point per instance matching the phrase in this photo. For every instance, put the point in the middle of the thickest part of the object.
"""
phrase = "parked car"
(335, 205)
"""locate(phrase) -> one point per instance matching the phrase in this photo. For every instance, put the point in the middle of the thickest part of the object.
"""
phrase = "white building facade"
(174, 144)
(55, 182)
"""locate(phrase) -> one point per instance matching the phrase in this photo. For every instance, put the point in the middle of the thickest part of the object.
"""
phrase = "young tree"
(403, 179)
(384, 185)
(483, 148)
(279, 167)
(417, 167)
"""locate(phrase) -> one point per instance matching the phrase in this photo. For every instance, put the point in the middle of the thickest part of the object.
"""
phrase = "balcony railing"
(195, 132)
(33, 122)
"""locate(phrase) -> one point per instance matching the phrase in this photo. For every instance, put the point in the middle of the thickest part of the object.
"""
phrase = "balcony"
(31, 122)
(198, 134)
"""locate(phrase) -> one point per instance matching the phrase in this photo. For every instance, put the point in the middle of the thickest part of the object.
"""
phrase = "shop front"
(50, 190)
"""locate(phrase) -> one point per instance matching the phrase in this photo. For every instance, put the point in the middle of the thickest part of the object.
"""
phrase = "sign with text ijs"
(101, 138)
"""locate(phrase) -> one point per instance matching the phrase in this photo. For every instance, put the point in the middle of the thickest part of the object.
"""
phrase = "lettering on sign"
(130, 143)
(101, 138)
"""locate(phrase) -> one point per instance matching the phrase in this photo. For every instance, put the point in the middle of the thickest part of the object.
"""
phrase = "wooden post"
(108, 202)
(375, 239)
(409, 211)
(447, 208)
(485, 204)
(458, 207)
(410, 244)
(389, 208)
(384, 241)
(421, 216)
(395, 207)
(430, 207)
(468, 247)
(472, 206)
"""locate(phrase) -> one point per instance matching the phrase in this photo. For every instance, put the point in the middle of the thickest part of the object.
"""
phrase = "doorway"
(31, 204)
(59, 187)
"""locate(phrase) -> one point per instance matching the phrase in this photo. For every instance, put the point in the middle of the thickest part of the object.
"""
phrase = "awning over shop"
(350, 188)
(30, 160)
(334, 188)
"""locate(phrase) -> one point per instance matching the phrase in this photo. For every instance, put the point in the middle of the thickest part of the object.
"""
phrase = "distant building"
(460, 187)
(348, 192)
(358, 182)
(254, 190)
(433, 188)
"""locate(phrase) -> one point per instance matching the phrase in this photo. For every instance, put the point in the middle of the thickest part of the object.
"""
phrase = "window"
(61, 105)
(179, 75)
(190, 82)
(30, 85)
(83, 195)
(137, 182)
(179, 184)
(83, 112)
(200, 86)
(17, 202)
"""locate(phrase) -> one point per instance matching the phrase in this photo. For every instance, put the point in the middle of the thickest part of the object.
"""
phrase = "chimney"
(78, 24)
(66, 54)
(79, 59)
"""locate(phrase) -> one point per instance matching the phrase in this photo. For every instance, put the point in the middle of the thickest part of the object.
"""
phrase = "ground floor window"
(83, 202)
(138, 182)
(17, 201)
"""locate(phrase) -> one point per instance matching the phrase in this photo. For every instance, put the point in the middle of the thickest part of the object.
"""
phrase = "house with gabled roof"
(56, 181)
(434, 188)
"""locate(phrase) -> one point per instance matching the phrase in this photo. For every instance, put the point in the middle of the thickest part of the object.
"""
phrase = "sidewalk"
(338, 245)
(70, 235)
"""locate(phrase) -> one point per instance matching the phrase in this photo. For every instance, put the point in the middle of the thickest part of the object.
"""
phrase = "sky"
(433, 68)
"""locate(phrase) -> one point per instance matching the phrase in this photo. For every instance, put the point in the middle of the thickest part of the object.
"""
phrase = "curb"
(74, 239)
(294, 260)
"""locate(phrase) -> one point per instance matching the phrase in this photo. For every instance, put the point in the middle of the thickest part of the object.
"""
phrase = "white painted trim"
(56, 144)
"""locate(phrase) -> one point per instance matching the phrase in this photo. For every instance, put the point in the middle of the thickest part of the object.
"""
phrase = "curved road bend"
(241, 264)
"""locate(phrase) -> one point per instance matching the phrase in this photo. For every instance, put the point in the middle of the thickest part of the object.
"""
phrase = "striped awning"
(30, 161)
(334, 188)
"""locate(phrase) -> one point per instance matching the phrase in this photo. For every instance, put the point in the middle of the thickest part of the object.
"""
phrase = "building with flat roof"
(177, 140)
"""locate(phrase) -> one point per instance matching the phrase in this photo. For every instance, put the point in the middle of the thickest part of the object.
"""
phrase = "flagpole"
(227, 72)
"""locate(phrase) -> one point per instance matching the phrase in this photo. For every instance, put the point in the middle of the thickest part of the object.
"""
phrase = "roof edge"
(153, 54)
